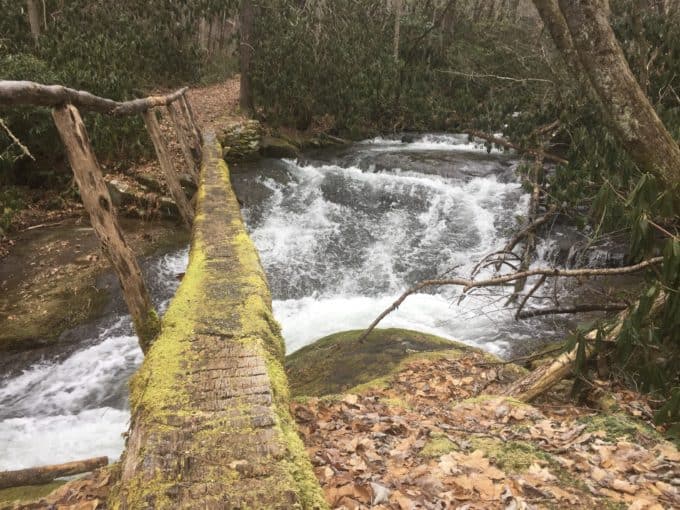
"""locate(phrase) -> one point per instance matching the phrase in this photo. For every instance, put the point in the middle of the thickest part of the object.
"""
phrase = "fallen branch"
(45, 474)
(530, 228)
(610, 307)
(468, 284)
(545, 377)
(522, 150)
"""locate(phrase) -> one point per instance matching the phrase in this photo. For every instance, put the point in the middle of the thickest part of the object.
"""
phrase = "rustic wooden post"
(181, 130)
(97, 202)
(171, 177)
(185, 107)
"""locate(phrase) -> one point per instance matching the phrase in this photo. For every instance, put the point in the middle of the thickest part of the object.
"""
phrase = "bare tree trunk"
(247, 20)
(34, 19)
(556, 25)
(628, 110)
(97, 202)
(398, 4)
(179, 123)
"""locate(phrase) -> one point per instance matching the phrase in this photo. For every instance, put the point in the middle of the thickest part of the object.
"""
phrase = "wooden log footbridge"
(210, 424)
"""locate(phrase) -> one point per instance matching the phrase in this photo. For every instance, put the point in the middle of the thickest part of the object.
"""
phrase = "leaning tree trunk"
(628, 110)
(97, 202)
(246, 21)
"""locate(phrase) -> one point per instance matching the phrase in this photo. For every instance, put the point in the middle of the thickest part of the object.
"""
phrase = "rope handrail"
(28, 93)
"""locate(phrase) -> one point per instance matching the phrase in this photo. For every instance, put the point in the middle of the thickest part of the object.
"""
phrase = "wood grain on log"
(45, 474)
(210, 423)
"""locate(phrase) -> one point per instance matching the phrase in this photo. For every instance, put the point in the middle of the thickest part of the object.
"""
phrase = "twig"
(16, 141)
(494, 76)
(538, 284)
(525, 359)
(509, 145)
(498, 280)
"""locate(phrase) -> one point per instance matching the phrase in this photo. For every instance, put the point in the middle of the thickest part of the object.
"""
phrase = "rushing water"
(341, 234)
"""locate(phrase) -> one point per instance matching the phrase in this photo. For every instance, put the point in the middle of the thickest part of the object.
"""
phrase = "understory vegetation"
(356, 68)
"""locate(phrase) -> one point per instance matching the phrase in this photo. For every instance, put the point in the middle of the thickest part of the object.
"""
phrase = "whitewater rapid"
(340, 235)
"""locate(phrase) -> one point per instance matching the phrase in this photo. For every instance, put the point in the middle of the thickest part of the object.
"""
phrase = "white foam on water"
(431, 142)
(308, 319)
(36, 441)
(61, 411)
(339, 245)
(403, 227)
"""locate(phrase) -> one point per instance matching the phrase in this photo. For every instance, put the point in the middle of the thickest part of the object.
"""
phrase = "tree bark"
(45, 474)
(98, 204)
(34, 19)
(246, 21)
(554, 22)
(628, 110)
(168, 168)
(398, 4)
(13, 93)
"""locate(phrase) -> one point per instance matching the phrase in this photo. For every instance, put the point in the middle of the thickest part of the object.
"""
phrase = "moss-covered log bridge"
(210, 424)
(210, 421)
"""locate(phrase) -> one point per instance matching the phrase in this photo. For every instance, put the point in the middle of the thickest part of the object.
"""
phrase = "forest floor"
(432, 435)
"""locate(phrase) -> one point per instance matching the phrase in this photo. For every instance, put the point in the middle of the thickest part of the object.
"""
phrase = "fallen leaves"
(491, 452)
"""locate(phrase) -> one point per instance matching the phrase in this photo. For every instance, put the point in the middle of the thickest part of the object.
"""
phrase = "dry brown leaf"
(487, 490)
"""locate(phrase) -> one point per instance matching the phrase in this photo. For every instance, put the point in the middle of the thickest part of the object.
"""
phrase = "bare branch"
(509, 145)
(16, 141)
(499, 280)
(35, 94)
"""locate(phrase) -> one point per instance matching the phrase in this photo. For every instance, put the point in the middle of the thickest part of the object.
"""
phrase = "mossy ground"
(26, 493)
(338, 362)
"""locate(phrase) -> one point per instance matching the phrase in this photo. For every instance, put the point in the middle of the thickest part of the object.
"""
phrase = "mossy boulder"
(339, 362)
(240, 140)
(272, 147)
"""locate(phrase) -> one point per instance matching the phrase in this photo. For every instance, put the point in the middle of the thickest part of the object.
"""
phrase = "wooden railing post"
(98, 204)
(188, 114)
(171, 177)
(181, 129)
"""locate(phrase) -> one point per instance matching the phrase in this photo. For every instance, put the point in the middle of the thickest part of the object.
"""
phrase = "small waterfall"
(341, 235)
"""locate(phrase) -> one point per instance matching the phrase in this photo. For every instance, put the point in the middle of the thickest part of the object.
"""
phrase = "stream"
(341, 233)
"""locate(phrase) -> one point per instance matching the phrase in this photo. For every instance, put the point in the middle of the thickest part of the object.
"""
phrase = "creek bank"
(434, 432)
(430, 430)
(54, 278)
(247, 140)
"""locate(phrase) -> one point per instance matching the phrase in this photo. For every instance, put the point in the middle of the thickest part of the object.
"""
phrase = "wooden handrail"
(28, 93)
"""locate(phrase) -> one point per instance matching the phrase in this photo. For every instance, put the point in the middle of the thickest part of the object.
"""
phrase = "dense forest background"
(356, 68)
